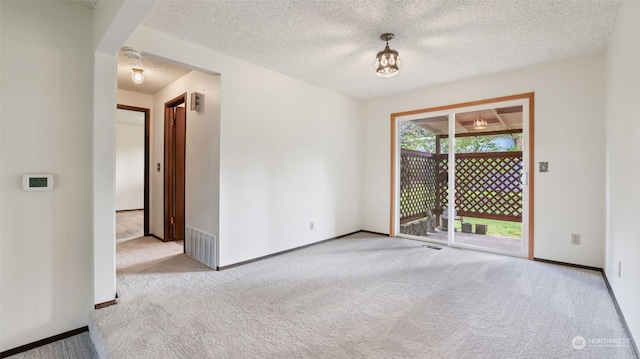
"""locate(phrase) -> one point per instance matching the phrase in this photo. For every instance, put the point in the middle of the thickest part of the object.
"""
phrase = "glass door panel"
(420, 177)
(489, 165)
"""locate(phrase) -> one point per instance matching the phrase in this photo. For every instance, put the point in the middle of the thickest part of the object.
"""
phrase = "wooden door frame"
(168, 162)
(147, 134)
(394, 152)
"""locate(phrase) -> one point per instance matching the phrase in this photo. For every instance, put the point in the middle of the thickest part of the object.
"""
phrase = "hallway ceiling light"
(132, 53)
(137, 76)
(387, 60)
(479, 123)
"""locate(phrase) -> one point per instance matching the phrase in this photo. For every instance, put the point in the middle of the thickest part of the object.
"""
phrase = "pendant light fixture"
(135, 57)
(137, 76)
(387, 60)
(479, 123)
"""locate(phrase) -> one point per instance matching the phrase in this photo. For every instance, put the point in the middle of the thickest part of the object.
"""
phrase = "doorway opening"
(460, 175)
(132, 172)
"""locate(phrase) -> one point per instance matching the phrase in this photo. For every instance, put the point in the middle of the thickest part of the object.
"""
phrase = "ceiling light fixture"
(137, 76)
(479, 123)
(387, 60)
(132, 53)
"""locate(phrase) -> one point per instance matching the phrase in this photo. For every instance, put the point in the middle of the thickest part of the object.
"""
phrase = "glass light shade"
(387, 62)
(479, 123)
(137, 76)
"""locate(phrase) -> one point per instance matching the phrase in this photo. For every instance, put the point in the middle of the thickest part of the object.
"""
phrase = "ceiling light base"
(386, 36)
(132, 53)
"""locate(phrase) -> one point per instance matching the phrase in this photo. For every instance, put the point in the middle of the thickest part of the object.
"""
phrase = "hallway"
(129, 225)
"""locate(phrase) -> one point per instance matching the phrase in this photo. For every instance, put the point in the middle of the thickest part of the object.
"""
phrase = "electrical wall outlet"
(311, 226)
(575, 238)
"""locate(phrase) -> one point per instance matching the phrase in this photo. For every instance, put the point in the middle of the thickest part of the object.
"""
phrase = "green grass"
(495, 227)
(499, 228)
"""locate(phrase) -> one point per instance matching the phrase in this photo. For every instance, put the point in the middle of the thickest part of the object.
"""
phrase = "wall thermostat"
(37, 182)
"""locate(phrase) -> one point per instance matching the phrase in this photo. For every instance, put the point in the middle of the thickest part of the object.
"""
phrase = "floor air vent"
(431, 247)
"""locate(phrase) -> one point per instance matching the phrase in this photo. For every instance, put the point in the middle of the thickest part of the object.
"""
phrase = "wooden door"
(174, 175)
(179, 168)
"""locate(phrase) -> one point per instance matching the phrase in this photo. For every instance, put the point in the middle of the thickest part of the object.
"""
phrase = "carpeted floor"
(76, 347)
(363, 296)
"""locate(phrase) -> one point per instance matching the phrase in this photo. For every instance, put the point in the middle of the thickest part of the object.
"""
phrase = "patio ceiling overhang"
(498, 119)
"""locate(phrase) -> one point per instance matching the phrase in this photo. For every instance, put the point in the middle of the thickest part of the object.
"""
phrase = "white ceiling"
(333, 43)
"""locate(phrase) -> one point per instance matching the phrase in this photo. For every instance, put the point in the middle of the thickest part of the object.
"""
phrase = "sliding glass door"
(462, 176)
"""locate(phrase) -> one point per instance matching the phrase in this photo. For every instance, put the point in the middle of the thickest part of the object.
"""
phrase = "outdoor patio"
(487, 187)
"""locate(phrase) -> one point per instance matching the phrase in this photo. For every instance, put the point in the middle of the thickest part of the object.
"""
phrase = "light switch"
(544, 166)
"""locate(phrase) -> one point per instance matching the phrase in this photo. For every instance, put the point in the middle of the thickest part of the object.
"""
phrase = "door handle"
(524, 178)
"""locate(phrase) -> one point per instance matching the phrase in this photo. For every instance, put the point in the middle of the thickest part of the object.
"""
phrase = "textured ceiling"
(157, 73)
(333, 43)
(88, 3)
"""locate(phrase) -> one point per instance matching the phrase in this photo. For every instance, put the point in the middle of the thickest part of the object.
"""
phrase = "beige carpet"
(76, 347)
(358, 297)
(151, 255)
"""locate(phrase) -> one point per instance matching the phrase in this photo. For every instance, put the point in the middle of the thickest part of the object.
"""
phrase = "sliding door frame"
(393, 206)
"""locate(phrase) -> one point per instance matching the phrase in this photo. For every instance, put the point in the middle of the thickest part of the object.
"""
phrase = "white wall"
(569, 126)
(135, 99)
(129, 160)
(623, 163)
(202, 169)
(45, 243)
(113, 22)
(290, 153)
